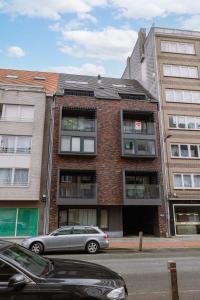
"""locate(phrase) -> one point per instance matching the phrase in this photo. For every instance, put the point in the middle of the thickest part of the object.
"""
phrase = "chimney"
(99, 79)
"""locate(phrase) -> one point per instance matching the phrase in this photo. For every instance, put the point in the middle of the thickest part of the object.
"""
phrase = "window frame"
(185, 96)
(180, 68)
(182, 181)
(16, 144)
(18, 117)
(186, 122)
(82, 139)
(176, 44)
(189, 151)
(12, 184)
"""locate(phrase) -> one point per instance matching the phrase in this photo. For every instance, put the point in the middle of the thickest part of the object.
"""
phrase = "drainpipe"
(162, 144)
(49, 167)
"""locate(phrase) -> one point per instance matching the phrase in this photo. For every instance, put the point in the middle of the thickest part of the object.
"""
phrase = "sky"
(83, 36)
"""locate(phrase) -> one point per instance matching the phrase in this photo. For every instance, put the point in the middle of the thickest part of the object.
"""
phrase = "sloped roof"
(46, 80)
(109, 88)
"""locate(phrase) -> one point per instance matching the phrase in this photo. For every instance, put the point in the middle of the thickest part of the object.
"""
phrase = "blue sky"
(83, 36)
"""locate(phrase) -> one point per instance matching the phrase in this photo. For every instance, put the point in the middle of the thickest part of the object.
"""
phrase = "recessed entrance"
(140, 218)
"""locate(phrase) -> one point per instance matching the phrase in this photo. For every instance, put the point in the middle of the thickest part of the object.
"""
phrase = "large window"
(187, 181)
(18, 222)
(77, 144)
(12, 112)
(12, 177)
(78, 123)
(15, 144)
(180, 71)
(177, 47)
(187, 219)
(185, 96)
(184, 122)
(139, 147)
(138, 126)
(185, 150)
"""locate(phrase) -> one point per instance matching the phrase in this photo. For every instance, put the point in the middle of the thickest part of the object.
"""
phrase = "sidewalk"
(155, 243)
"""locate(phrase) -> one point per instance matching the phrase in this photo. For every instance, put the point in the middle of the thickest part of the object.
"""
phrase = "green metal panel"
(7, 221)
(27, 223)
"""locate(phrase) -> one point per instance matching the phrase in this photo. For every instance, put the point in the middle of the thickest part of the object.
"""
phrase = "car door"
(79, 237)
(60, 239)
(30, 291)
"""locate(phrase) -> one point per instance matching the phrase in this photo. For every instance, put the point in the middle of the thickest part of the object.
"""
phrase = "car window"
(6, 272)
(79, 231)
(64, 231)
(26, 259)
(92, 231)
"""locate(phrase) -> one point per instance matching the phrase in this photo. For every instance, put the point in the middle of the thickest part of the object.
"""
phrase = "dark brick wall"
(108, 163)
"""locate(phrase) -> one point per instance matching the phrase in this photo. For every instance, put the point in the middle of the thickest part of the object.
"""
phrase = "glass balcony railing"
(142, 191)
(147, 128)
(74, 190)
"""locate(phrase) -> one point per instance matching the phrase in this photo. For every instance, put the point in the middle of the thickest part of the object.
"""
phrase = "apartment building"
(167, 63)
(106, 165)
(25, 111)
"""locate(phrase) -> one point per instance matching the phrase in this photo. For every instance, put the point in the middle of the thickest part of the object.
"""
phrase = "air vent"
(39, 78)
(12, 76)
(119, 85)
(79, 93)
(133, 96)
(76, 82)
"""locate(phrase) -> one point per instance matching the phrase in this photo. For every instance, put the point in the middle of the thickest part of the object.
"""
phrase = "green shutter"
(7, 221)
(27, 224)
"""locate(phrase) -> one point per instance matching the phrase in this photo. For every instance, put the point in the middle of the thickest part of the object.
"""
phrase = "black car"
(25, 275)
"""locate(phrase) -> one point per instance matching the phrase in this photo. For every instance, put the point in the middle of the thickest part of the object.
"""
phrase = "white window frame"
(186, 96)
(186, 118)
(18, 118)
(189, 150)
(12, 184)
(180, 71)
(192, 180)
(15, 145)
(166, 45)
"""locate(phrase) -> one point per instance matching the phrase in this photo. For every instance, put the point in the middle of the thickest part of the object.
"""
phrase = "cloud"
(15, 51)
(192, 23)
(155, 8)
(108, 44)
(51, 9)
(85, 69)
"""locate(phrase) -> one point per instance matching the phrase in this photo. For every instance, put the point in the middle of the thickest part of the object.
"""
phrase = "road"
(146, 273)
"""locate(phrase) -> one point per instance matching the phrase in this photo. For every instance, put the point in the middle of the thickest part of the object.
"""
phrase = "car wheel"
(37, 248)
(92, 247)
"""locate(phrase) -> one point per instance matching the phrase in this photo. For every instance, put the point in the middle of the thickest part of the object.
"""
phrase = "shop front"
(186, 219)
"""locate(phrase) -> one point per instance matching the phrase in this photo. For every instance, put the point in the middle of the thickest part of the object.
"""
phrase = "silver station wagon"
(68, 238)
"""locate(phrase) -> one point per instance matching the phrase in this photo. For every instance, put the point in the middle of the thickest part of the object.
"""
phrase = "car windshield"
(28, 260)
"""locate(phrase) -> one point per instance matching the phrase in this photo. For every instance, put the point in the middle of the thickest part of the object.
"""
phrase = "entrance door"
(140, 218)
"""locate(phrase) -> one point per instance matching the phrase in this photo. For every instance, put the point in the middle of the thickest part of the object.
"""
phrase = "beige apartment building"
(167, 63)
(25, 109)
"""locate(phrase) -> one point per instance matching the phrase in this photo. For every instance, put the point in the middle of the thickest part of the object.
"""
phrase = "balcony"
(141, 189)
(77, 188)
(77, 131)
(138, 132)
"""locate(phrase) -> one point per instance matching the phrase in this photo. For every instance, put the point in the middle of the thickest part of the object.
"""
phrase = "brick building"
(106, 166)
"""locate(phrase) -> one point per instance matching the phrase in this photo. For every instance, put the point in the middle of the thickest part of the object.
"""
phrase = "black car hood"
(75, 269)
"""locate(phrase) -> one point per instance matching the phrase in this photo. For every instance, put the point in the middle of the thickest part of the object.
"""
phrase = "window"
(187, 181)
(180, 71)
(139, 147)
(78, 123)
(12, 112)
(81, 93)
(182, 96)
(64, 231)
(184, 122)
(13, 176)
(6, 272)
(177, 47)
(133, 96)
(15, 144)
(77, 144)
(103, 218)
(138, 126)
(82, 217)
(18, 222)
(185, 151)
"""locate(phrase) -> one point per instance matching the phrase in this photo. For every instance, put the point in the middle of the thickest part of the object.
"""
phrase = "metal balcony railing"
(74, 190)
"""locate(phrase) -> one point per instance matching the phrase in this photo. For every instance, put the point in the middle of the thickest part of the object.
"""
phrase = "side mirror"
(17, 282)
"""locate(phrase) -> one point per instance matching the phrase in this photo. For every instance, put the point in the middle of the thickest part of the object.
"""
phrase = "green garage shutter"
(27, 222)
(8, 221)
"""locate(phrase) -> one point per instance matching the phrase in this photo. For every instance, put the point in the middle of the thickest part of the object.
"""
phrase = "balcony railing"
(149, 130)
(142, 191)
(74, 190)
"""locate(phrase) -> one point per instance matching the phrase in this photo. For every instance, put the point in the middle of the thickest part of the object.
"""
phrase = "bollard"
(173, 280)
(140, 240)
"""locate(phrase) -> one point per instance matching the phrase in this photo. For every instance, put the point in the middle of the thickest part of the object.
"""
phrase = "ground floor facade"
(184, 217)
(117, 221)
(21, 219)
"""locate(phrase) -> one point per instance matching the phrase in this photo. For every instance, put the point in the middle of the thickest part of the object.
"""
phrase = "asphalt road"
(146, 273)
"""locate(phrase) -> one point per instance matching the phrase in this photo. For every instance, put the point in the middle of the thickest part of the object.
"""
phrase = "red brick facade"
(108, 163)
